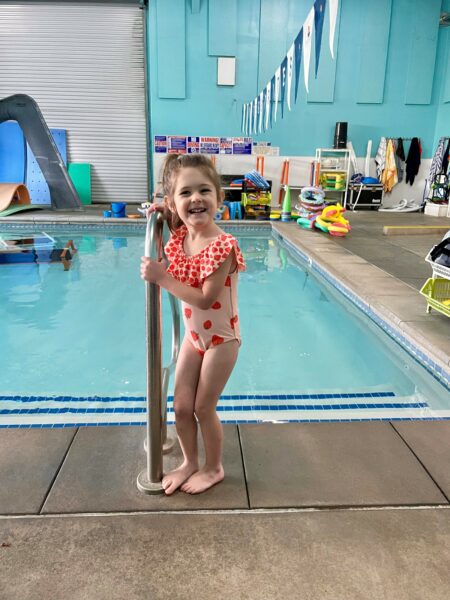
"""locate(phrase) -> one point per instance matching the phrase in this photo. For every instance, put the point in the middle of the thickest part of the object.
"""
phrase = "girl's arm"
(204, 298)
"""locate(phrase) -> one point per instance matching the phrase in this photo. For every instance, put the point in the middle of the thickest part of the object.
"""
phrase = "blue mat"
(35, 181)
(12, 153)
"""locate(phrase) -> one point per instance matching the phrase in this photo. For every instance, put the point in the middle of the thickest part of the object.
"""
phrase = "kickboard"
(35, 181)
(19, 208)
(12, 153)
(80, 174)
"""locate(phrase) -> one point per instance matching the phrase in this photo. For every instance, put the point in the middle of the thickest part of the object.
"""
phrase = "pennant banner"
(307, 37)
(272, 99)
(261, 113)
(298, 45)
(276, 94)
(264, 110)
(268, 103)
(290, 66)
(283, 71)
(319, 14)
(333, 11)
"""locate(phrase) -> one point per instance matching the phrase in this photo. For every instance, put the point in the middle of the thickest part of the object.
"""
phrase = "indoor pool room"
(224, 300)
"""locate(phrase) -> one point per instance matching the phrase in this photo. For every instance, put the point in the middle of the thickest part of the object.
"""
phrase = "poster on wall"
(193, 145)
(177, 144)
(226, 145)
(242, 145)
(209, 145)
(160, 144)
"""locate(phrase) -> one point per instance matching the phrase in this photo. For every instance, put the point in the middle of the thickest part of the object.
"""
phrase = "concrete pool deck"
(307, 510)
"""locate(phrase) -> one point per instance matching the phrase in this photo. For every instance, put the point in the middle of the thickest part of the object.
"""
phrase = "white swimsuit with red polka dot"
(220, 323)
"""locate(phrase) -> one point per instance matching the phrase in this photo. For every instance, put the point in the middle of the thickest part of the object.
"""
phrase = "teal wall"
(391, 73)
(442, 76)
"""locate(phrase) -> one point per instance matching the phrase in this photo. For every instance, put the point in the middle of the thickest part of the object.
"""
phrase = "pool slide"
(26, 112)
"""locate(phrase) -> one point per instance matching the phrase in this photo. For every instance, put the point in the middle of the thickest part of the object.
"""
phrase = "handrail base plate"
(146, 486)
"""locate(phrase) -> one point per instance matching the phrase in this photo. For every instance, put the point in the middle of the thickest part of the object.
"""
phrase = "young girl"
(203, 272)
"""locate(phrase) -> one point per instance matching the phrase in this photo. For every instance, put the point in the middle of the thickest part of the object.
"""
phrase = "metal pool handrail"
(149, 480)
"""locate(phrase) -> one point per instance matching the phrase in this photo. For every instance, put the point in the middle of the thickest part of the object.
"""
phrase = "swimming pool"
(73, 342)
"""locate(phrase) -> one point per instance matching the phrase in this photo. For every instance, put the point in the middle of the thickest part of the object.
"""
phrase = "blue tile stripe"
(222, 398)
(228, 403)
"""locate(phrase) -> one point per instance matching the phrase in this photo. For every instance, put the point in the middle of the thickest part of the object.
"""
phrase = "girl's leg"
(186, 380)
(217, 366)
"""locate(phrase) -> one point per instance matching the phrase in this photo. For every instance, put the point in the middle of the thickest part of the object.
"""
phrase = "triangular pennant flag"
(290, 67)
(276, 94)
(283, 83)
(298, 49)
(319, 13)
(333, 9)
(307, 36)
(261, 111)
(264, 110)
(255, 115)
(244, 110)
(250, 118)
(268, 104)
(272, 98)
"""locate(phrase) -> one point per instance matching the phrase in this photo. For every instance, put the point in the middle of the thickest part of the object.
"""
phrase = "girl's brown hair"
(170, 170)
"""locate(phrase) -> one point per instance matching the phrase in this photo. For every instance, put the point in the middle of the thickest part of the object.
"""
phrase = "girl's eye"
(185, 193)
(205, 190)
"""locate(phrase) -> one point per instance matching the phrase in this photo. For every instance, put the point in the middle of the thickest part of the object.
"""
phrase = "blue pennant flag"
(298, 58)
(264, 108)
(283, 76)
(319, 13)
(272, 96)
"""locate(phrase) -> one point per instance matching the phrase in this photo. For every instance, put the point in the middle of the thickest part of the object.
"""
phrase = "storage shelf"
(341, 166)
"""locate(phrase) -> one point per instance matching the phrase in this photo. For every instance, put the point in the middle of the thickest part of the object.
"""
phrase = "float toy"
(332, 221)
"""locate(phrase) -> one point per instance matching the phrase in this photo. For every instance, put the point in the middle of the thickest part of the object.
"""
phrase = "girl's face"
(194, 197)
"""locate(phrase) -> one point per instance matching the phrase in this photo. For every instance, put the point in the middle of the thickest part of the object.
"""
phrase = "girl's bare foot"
(202, 480)
(175, 478)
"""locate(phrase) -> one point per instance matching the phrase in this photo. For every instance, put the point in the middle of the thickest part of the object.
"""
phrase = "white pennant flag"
(277, 93)
(333, 10)
(250, 118)
(261, 110)
(290, 68)
(244, 114)
(267, 105)
(255, 115)
(307, 38)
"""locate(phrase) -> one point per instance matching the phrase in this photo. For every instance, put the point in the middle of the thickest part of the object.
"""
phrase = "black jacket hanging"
(413, 160)
(400, 149)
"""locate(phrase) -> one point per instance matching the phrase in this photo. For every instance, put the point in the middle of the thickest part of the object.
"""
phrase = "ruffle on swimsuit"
(193, 270)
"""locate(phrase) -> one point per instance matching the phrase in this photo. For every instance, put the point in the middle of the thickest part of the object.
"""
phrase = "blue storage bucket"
(118, 209)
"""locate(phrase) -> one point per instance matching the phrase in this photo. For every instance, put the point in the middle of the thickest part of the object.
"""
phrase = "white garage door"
(83, 63)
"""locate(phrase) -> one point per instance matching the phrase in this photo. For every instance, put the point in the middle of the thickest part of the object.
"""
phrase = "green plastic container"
(80, 174)
(437, 291)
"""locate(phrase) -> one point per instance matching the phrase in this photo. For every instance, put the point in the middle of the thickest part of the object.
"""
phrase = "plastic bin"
(436, 291)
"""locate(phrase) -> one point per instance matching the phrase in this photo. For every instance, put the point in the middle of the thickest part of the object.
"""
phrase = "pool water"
(73, 342)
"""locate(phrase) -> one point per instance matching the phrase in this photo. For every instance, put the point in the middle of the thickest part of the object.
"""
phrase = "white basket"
(438, 270)
(436, 210)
